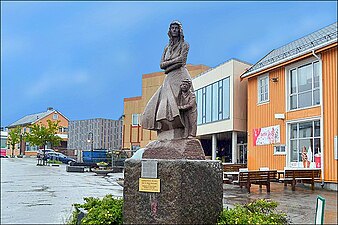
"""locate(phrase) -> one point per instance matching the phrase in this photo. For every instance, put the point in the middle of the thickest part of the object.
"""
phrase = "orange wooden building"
(292, 106)
(24, 148)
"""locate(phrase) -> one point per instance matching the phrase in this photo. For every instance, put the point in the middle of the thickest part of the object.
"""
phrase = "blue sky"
(83, 58)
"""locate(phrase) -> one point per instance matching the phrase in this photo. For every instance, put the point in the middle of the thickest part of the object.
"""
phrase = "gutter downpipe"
(321, 117)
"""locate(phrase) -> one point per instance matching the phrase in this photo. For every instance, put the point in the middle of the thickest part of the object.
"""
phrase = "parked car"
(40, 152)
(60, 157)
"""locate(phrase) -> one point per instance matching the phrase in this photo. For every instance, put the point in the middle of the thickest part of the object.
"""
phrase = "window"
(279, 149)
(304, 86)
(55, 116)
(135, 119)
(305, 144)
(263, 88)
(3, 142)
(213, 102)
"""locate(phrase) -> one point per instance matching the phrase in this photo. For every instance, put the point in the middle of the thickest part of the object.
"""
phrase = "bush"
(100, 211)
(257, 212)
(53, 161)
(104, 164)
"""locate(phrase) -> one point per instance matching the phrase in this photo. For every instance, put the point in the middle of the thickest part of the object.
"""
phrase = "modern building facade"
(95, 133)
(134, 136)
(221, 109)
(24, 148)
(293, 104)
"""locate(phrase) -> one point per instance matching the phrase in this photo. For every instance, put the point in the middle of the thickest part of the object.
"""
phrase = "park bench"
(233, 167)
(305, 175)
(257, 177)
(230, 171)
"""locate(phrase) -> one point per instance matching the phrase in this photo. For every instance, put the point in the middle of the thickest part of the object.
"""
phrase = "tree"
(14, 136)
(40, 135)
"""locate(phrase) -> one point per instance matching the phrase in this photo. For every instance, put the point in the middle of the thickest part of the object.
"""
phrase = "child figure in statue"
(188, 108)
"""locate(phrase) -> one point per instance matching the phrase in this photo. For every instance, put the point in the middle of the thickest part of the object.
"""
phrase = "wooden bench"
(304, 175)
(256, 177)
(230, 171)
(233, 167)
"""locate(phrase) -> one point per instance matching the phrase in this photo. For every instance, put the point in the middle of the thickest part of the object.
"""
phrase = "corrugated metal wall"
(330, 97)
(264, 116)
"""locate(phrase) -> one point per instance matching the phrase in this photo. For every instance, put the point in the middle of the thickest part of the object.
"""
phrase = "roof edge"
(246, 74)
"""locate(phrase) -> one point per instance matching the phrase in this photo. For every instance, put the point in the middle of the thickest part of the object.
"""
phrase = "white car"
(40, 152)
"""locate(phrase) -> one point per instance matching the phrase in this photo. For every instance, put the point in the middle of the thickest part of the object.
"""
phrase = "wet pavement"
(45, 194)
(299, 205)
(40, 195)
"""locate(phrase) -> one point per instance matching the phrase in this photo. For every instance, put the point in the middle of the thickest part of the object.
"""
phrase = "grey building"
(105, 133)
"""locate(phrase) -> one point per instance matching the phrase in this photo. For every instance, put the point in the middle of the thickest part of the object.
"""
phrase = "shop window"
(304, 144)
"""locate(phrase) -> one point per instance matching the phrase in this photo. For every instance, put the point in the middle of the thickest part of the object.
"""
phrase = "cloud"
(57, 80)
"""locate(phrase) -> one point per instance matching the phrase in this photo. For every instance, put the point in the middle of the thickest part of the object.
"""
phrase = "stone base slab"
(191, 192)
(174, 149)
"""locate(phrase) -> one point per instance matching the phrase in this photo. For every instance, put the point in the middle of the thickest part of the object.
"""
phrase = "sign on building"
(266, 135)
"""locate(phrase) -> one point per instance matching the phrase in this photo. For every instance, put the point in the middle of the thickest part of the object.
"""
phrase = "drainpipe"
(321, 117)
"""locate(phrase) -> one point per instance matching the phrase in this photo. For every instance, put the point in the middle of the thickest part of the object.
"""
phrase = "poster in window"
(266, 135)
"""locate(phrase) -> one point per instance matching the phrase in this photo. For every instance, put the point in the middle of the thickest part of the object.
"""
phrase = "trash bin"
(317, 160)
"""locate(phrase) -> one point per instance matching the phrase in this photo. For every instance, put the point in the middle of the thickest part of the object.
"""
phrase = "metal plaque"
(149, 169)
(149, 185)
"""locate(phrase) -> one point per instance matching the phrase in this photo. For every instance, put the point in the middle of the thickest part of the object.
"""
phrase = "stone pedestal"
(174, 149)
(191, 192)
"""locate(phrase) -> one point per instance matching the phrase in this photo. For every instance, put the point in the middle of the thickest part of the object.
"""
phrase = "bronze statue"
(162, 112)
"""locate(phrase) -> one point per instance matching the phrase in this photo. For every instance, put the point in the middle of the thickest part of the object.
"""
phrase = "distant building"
(106, 134)
(24, 148)
(222, 111)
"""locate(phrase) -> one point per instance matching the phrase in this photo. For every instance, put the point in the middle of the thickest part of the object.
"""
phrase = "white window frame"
(288, 137)
(279, 146)
(132, 119)
(297, 65)
(55, 116)
(259, 93)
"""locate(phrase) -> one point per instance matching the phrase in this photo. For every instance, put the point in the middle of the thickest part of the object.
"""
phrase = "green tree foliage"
(258, 212)
(40, 135)
(100, 211)
(14, 137)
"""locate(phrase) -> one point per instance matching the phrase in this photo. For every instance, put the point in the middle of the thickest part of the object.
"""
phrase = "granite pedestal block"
(174, 149)
(191, 192)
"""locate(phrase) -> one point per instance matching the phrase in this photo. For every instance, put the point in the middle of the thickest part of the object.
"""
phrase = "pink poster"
(266, 135)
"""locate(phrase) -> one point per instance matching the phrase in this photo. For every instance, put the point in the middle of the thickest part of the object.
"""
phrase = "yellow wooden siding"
(330, 98)
(263, 115)
(303, 113)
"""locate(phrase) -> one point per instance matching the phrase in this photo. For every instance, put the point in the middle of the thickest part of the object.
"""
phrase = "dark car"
(60, 157)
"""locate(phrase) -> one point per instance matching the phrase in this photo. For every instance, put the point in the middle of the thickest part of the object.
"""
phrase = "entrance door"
(242, 153)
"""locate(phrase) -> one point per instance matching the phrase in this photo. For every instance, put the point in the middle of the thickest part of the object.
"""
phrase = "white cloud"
(57, 81)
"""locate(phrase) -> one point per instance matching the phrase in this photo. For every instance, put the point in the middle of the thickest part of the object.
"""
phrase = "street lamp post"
(91, 140)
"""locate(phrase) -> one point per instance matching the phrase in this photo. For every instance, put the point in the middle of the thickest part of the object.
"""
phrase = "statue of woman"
(162, 112)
